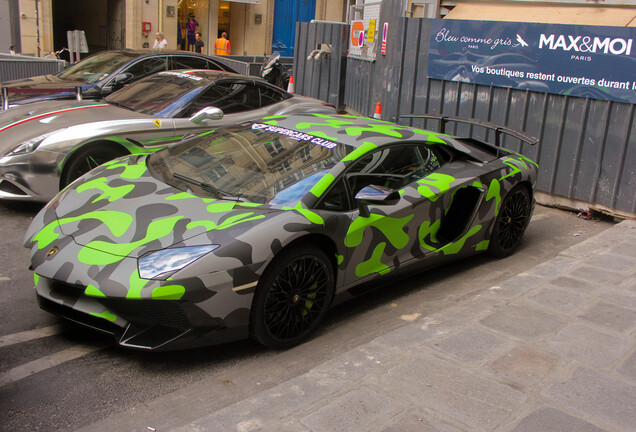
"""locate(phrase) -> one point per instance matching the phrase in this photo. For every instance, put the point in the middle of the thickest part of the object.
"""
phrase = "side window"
(269, 96)
(393, 167)
(187, 62)
(238, 97)
(212, 97)
(214, 66)
(229, 97)
(146, 67)
(336, 198)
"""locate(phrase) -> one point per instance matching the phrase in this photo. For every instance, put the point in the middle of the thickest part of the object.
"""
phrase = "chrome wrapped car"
(45, 146)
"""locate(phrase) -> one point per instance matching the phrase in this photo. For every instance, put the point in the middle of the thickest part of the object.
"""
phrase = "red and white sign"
(385, 31)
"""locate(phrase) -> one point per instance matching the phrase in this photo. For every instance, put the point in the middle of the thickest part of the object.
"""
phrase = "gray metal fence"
(587, 149)
(18, 66)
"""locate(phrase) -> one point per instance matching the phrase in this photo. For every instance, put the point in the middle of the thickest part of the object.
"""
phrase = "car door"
(419, 223)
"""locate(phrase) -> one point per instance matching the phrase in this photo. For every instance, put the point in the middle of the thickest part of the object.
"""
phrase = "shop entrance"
(102, 21)
(193, 17)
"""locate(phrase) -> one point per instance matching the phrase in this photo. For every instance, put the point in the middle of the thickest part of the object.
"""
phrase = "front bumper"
(30, 177)
(143, 324)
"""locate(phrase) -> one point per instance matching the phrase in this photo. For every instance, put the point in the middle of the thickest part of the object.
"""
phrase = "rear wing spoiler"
(4, 93)
(499, 130)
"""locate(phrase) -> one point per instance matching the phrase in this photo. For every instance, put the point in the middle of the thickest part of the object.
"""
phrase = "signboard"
(364, 27)
(583, 61)
(371, 32)
(385, 31)
(356, 42)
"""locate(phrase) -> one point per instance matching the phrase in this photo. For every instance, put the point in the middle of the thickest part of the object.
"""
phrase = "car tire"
(292, 297)
(511, 222)
(86, 159)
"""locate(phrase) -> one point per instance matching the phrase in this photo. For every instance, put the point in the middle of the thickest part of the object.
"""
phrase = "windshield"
(160, 95)
(253, 162)
(96, 67)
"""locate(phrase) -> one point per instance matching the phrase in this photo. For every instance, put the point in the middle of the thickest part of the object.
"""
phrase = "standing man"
(198, 45)
(222, 45)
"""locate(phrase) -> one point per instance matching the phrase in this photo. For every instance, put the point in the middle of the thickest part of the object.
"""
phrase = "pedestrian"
(198, 45)
(222, 45)
(160, 41)
(12, 49)
(191, 29)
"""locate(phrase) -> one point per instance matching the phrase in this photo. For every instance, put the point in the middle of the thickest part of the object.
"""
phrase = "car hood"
(22, 123)
(43, 87)
(120, 210)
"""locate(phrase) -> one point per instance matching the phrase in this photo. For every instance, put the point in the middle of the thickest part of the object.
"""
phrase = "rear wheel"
(86, 159)
(511, 222)
(292, 297)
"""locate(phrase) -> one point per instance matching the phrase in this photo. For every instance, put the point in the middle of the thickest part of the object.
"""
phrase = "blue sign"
(583, 61)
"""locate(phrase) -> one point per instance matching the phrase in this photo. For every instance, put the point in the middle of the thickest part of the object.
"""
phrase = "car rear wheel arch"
(102, 147)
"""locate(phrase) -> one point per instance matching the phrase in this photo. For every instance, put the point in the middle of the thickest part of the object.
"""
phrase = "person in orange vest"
(222, 45)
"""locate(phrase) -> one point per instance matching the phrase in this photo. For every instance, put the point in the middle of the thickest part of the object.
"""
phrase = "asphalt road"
(56, 376)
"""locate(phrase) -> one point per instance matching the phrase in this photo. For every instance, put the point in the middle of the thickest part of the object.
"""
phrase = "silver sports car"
(47, 145)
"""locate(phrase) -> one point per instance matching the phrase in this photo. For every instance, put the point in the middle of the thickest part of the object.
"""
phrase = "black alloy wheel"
(292, 297)
(511, 222)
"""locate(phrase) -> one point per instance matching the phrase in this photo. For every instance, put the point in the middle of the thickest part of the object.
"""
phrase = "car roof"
(147, 51)
(354, 131)
(136, 53)
(216, 75)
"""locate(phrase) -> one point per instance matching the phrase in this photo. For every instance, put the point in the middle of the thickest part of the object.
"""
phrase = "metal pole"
(71, 47)
(37, 26)
(5, 98)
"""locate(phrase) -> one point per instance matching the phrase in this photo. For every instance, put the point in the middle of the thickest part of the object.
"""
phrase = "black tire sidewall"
(494, 246)
(80, 155)
(258, 330)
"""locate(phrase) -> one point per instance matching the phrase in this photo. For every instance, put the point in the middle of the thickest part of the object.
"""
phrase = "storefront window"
(193, 17)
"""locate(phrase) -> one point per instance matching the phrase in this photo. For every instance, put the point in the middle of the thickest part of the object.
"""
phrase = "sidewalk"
(551, 349)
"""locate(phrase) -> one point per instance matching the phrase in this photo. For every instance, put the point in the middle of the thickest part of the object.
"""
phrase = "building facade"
(255, 27)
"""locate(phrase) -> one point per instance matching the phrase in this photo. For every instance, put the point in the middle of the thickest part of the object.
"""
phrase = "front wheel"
(511, 222)
(87, 159)
(292, 297)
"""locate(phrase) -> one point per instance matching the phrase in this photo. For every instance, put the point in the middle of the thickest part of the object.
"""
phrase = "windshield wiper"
(218, 193)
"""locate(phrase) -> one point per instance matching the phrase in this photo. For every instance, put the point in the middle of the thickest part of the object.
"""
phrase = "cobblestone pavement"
(550, 349)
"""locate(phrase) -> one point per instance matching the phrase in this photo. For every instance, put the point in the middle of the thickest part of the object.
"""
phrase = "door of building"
(286, 14)
(116, 24)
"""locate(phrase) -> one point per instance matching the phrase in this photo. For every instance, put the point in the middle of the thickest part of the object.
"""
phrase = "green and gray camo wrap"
(86, 243)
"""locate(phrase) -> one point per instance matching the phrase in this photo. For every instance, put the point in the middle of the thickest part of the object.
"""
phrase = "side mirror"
(375, 195)
(207, 113)
(123, 78)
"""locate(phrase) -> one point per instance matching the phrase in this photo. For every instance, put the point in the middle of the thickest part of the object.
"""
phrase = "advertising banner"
(583, 61)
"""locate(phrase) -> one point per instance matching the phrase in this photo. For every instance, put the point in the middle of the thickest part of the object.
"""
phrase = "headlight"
(161, 264)
(30, 145)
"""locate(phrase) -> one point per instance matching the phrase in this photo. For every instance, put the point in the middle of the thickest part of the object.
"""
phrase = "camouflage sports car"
(256, 229)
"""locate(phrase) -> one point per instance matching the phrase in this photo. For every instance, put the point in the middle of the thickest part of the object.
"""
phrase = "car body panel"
(86, 243)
